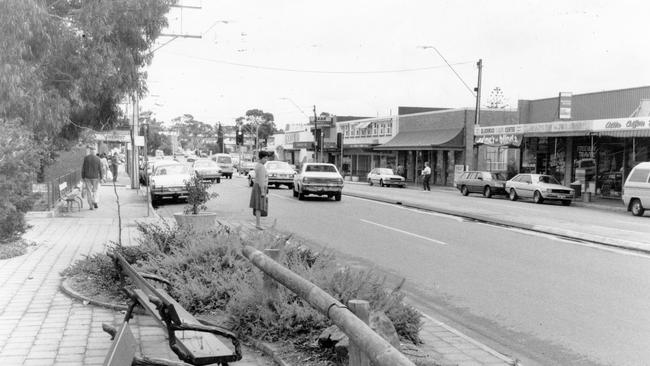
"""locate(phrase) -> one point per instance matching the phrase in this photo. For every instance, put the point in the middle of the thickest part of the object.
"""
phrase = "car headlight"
(340, 181)
(306, 179)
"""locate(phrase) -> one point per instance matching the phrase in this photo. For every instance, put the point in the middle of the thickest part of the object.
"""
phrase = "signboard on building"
(499, 140)
(303, 145)
(565, 105)
(323, 121)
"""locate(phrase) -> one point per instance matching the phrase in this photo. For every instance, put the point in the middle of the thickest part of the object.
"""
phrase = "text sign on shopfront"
(499, 140)
(565, 105)
(620, 124)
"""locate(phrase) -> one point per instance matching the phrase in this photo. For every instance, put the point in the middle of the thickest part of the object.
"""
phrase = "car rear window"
(224, 160)
(639, 175)
(320, 168)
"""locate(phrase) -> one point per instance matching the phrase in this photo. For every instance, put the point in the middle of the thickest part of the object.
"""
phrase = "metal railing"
(72, 179)
(366, 345)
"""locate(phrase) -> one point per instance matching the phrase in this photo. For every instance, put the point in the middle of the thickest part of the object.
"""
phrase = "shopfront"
(596, 153)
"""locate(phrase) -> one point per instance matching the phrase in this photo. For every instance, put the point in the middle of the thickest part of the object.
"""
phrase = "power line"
(272, 68)
(452, 69)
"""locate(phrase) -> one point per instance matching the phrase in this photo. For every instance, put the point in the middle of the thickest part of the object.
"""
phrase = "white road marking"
(405, 232)
(456, 218)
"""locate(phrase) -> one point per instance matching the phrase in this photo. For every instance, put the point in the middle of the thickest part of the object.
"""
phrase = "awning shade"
(363, 125)
(626, 133)
(556, 134)
(415, 140)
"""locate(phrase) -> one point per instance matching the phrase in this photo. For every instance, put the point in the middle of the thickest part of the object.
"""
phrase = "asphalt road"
(536, 297)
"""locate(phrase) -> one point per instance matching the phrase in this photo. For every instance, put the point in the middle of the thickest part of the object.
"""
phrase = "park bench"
(193, 341)
(70, 196)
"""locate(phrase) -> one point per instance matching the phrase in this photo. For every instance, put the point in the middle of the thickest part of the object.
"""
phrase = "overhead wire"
(273, 68)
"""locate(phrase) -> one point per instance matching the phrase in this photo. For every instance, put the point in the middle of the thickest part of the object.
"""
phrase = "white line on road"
(456, 218)
(405, 232)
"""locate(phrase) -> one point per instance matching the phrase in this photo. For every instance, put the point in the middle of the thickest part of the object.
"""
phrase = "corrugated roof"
(415, 140)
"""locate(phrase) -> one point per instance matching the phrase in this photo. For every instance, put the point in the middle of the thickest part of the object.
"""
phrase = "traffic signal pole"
(316, 157)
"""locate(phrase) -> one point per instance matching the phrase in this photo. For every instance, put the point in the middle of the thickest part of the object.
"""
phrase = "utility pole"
(316, 135)
(477, 119)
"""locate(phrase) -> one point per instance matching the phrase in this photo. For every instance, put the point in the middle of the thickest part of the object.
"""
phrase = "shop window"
(389, 128)
(496, 158)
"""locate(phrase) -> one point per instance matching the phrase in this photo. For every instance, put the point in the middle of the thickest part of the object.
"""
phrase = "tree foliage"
(255, 118)
(191, 132)
(497, 100)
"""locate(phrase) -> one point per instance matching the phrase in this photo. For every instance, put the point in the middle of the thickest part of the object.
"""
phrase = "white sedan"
(539, 187)
(385, 177)
(319, 179)
(168, 182)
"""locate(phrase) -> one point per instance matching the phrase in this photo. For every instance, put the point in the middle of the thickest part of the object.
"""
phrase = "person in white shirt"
(426, 175)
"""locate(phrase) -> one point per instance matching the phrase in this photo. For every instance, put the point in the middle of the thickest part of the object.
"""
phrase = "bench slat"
(122, 349)
(201, 345)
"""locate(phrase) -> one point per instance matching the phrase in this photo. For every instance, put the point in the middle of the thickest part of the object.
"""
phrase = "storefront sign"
(499, 130)
(303, 145)
(565, 105)
(621, 124)
(499, 140)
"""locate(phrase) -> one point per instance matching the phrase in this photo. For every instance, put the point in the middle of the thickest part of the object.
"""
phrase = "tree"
(156, 139)
(255, 118)
(192, 133)
(496, 100)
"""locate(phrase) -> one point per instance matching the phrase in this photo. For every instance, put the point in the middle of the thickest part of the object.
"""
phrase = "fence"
(51, 187)
(365, 344)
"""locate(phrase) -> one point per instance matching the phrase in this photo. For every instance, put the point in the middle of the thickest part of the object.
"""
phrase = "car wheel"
(290, 186)
(566, 203)
(250, 182)
(295, 193)
(537, 197)
(464, 190)
(369, 181)
(301, 196)
(637, 208)
(513, 195)
(154, 201)
(218, 180)
(487, 192)
(381, 182)
(337, 197)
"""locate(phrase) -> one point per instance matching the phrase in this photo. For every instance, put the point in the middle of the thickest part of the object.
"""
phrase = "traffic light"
(239, 138)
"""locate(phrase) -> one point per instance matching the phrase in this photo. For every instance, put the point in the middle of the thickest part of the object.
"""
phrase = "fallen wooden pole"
(378, 350)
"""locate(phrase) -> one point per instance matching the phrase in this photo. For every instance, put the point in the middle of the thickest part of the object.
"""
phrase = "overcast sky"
(364, 58)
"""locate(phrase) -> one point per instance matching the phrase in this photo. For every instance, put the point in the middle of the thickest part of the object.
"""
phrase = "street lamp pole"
(316, 139)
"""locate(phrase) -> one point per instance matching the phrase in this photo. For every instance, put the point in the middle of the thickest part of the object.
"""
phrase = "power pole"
(477, 119)
(316, 136)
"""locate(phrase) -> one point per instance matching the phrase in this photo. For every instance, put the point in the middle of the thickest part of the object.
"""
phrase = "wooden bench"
(192, 341)
(70, 196)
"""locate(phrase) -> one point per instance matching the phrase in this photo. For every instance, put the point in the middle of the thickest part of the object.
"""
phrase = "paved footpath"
(39, 325)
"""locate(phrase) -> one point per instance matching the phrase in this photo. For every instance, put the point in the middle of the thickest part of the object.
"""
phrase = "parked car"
(485, 183)
(539, 187)
(246, 166)
(636, 190)
(224, 161)
(385, 177)
(279, 172)
(320, 179)
(168, 182)
(207, 169)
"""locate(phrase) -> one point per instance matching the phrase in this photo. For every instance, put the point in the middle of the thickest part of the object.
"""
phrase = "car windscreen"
(172, 169)
(386, 171)
(320, 168)
(548, 179)
(278, 166)
(224, 160)
(205, 164)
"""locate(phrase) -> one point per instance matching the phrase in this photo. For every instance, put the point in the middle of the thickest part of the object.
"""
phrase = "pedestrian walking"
(259, 201)
(115, 162)
(426, 175)
(91, 173)
(104, 161)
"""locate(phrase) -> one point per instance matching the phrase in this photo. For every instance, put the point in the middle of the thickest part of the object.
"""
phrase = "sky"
(367, 57)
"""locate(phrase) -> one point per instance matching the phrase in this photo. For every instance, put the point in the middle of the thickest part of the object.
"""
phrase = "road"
(539, 298)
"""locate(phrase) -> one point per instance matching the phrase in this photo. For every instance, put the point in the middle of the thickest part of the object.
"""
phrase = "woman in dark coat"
(259, 199)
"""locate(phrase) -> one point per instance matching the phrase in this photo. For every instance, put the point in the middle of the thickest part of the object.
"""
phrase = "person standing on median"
(91, 173)
(259, 194)
(426, 175)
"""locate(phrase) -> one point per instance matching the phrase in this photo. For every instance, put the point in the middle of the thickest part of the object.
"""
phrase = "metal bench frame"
(173, 316)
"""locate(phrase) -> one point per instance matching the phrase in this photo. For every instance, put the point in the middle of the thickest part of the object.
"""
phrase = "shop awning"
(557, 134)
(363, 125)
(421, 140)
(626, 133)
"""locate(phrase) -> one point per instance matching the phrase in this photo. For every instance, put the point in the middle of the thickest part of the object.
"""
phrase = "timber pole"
(378, 350)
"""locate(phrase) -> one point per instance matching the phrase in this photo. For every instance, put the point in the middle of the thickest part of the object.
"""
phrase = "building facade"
(593, 138)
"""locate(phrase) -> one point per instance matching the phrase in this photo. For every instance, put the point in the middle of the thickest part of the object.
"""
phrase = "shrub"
(197, 195)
